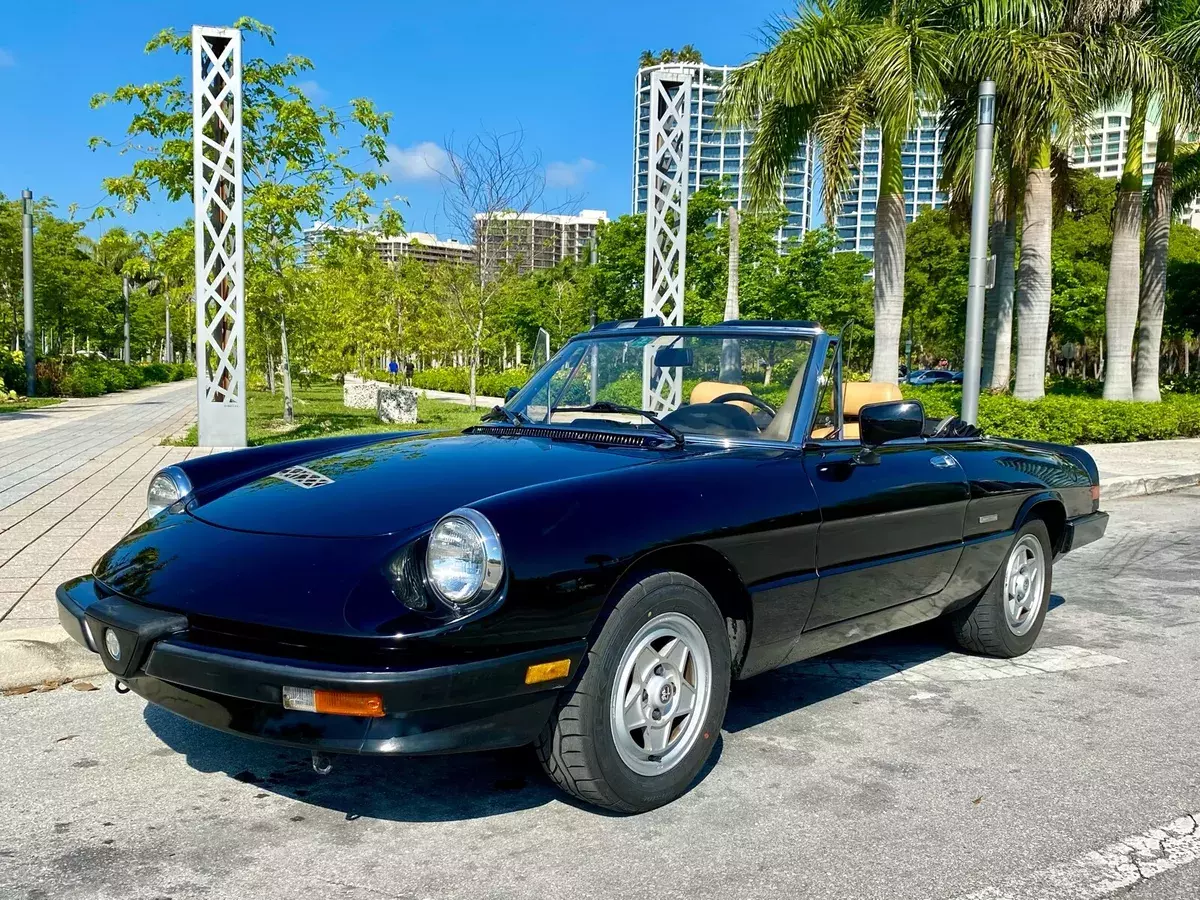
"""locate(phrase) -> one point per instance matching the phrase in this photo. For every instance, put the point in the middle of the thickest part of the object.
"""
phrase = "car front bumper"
(475, 705)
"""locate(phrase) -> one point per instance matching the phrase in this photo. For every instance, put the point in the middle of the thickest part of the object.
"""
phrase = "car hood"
(402, 484)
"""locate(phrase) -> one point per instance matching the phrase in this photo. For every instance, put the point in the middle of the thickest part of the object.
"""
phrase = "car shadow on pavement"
(475, 785)
(811, 681)
(408, 789)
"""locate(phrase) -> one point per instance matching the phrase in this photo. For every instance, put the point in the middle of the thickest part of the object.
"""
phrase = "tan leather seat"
(707, 391)
(856, 395)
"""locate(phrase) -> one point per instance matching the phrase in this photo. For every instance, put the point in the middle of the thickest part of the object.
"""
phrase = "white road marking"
(956, 667)
(1104, 872)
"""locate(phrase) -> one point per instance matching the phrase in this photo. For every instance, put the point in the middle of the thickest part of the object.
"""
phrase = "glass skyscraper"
(921, 161)
(714, 153)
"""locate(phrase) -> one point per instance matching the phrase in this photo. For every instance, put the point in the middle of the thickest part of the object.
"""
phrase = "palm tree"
(837, 69)
(1123, 55)
(1175, 23)
(1023, 46)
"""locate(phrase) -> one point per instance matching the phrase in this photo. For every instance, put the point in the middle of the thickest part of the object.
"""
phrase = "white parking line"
(1104, 872)
(954, 667)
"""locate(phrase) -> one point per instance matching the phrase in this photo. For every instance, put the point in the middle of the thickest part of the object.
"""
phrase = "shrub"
(156, 373)
(458, 380)
(48, 376)
(1072, 418)
(12, 368)
(81, 384)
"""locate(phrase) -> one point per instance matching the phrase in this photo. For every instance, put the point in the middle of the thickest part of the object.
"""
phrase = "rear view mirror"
(673, 357)
(510, 393)
(880, 423)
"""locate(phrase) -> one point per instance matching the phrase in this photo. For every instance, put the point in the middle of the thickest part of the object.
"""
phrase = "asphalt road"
(1073, 776)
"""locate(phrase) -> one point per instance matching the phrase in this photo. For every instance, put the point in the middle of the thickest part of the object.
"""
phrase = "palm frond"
(809, 55)
(839, 131)
(778, 134)
(1186, 181)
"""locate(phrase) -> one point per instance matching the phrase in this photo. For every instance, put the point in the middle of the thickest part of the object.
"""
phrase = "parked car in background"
(934, 376)
(659, 511)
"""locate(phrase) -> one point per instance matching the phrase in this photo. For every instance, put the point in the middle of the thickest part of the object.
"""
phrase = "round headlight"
(167, 487)
(464, 560)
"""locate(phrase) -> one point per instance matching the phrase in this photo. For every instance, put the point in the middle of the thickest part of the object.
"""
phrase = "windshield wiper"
(603, 406)
(504, 414)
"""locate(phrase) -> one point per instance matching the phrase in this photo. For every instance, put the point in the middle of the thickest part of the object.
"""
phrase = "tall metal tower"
(666, 227)
(220, 270)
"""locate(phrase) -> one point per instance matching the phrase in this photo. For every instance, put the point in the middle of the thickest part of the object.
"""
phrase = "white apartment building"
(1103, 148)
(420, 245)
(535, 240)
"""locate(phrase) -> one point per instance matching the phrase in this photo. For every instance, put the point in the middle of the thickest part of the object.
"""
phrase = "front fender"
(568, 543)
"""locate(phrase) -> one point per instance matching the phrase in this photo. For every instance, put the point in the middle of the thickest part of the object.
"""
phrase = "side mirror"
(880, 423)
(510, 393)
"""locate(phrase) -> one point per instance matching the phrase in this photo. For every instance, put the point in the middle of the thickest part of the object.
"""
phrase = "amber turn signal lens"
(1096, 492)
(337, 703)
(549, 671)
(344, 703)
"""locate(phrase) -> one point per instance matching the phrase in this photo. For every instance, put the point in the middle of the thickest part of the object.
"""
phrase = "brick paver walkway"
(73, 480)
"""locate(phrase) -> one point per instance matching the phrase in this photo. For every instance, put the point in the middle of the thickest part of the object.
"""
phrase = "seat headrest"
(707, 391)
(857, 394)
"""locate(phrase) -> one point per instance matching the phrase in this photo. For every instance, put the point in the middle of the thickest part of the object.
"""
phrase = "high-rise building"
(921, 162)
(1103, 148)
(715, 153)
(534, 240)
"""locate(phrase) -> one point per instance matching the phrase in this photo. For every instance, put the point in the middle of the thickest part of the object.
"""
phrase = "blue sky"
(563, 72)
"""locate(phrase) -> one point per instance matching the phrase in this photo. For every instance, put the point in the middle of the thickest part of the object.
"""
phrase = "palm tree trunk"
(1152, 302)
(889, 262)
(731, 357)
(997, 338)
(1124, 269)
(1034, 280)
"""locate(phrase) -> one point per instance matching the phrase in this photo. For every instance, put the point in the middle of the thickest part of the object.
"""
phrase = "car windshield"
(718, 384)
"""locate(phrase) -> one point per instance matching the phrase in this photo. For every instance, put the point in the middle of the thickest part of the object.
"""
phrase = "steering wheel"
(745, 398)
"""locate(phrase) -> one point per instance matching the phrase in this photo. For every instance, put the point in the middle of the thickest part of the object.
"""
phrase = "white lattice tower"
(666, 226)
(220, 272)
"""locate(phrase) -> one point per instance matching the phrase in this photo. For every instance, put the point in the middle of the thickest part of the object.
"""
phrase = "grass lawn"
(319, 413)
(7, 406)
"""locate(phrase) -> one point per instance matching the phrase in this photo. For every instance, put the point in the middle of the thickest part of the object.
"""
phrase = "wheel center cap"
(666, 692)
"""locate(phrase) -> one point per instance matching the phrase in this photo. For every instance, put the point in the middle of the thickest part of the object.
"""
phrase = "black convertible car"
(579, 572)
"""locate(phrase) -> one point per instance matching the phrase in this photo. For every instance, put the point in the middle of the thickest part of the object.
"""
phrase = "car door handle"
(942, 461)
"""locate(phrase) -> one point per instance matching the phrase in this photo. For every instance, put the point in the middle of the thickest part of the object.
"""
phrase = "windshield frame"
(806, 407)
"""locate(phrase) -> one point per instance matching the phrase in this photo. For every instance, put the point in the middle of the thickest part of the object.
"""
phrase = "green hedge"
(90, 377)
(458, 380)
(1070, 418)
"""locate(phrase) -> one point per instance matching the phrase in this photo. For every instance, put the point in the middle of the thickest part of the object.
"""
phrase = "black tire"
(577, 748)
(983, 627)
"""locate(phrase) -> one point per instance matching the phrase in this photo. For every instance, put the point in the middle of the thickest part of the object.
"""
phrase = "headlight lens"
(167, 487)
(464, 560)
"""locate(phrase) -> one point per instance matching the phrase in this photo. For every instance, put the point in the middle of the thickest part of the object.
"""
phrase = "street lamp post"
(125, 291)
(27, 275)
(977, 274)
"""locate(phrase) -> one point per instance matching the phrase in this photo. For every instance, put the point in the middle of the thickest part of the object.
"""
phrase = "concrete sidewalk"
(1148, 467)
(72, 481)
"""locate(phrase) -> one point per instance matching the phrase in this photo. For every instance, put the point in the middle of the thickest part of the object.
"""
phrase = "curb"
(1140, 485)
(34, 656)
